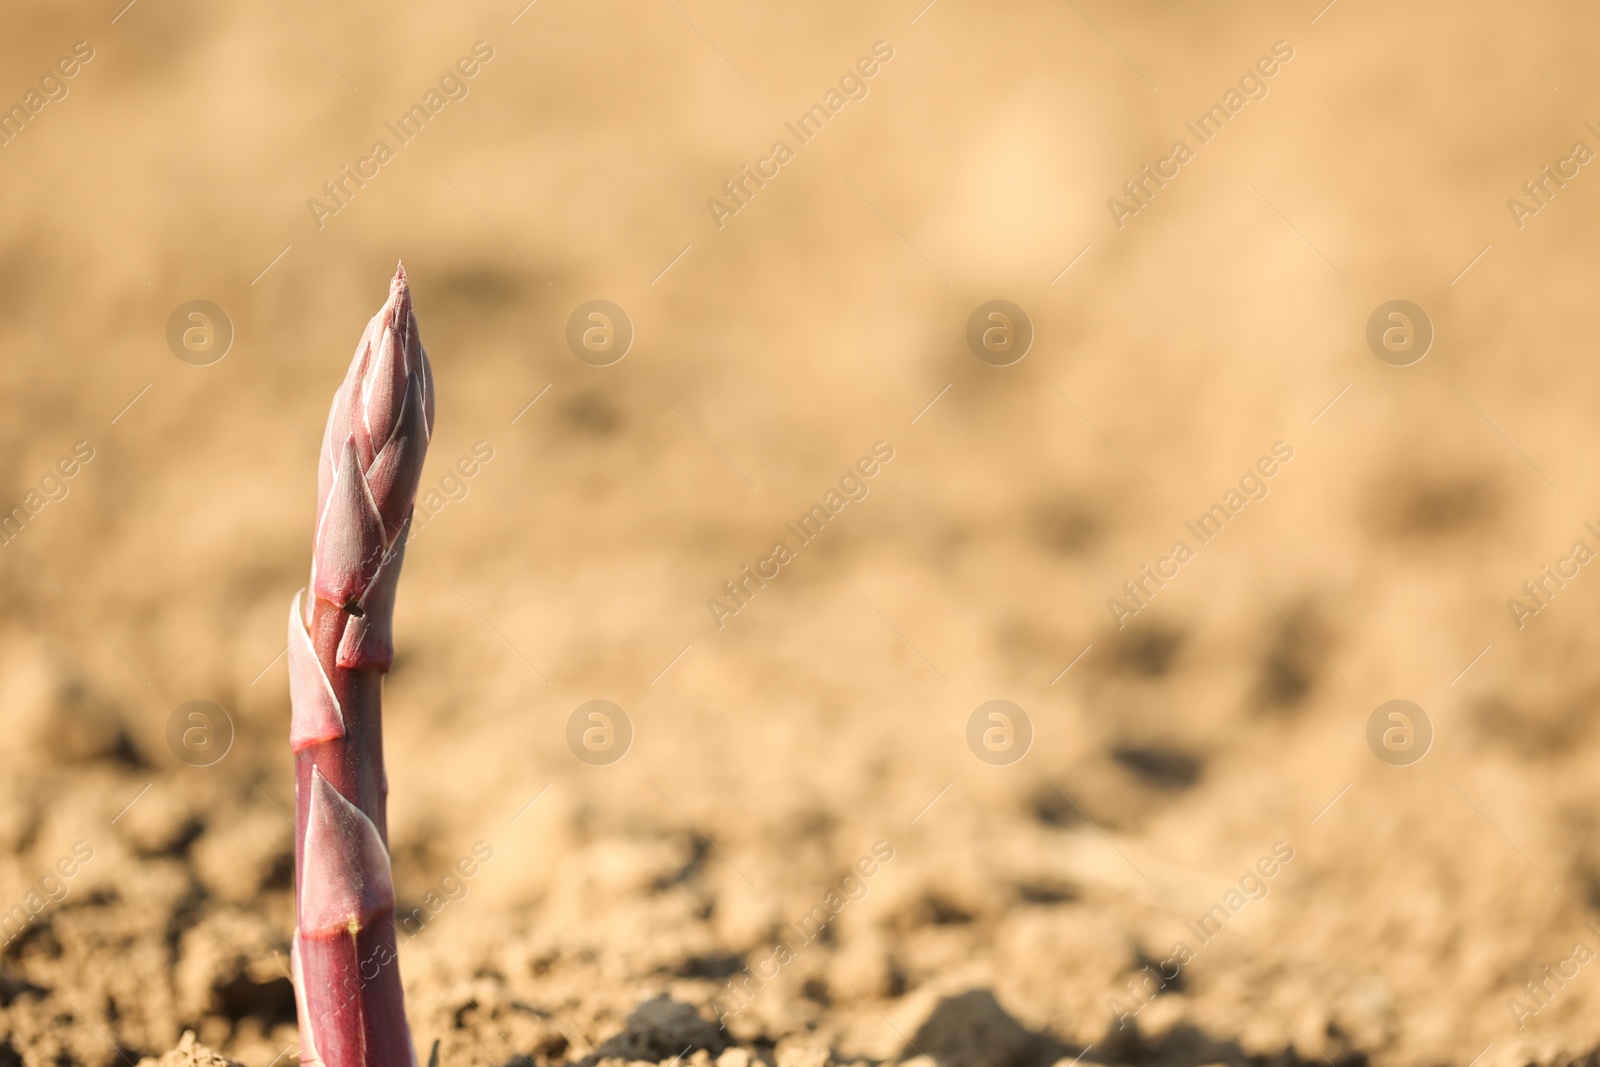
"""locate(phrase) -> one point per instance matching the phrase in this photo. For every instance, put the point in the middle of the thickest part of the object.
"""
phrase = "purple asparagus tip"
(352, 1012)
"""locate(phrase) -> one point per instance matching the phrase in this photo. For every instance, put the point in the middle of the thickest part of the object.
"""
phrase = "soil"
(1197, 766)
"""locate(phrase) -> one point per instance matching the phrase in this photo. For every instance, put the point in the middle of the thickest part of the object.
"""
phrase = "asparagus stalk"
(346, 976)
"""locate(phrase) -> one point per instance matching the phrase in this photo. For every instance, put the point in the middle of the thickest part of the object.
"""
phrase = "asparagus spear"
(346, 976)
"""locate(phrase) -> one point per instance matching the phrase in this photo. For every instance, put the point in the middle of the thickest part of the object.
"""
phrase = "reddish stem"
(346, 973)
(353, 1000)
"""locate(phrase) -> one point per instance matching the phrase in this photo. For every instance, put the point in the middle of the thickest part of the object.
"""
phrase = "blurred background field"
(770, 353)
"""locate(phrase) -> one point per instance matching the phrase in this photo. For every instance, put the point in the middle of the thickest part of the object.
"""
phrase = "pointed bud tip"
(399, 294)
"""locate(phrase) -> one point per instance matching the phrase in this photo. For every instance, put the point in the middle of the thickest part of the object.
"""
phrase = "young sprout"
(346, 975)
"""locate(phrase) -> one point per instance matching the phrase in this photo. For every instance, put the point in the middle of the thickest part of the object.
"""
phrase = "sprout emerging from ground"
(346, 976)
